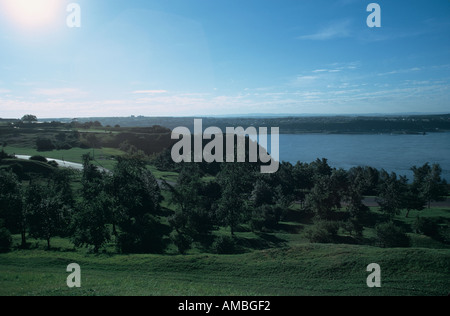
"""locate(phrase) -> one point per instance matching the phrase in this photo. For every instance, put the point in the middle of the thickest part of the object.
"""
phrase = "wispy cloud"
(59, 92)
(150, 91)
(400, 71)
(337, 29)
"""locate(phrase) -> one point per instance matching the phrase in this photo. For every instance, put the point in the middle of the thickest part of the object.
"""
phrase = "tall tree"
(11, 206)
(429, 184)
(413, 200)
(192, 219)
(236, 182)
(358, 211)
(392, 193)
(137, 197)
(47, 214)
(326, 195)
(91, 222)
(92, 179)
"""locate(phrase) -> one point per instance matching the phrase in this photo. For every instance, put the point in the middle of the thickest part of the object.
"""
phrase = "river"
(394, 153)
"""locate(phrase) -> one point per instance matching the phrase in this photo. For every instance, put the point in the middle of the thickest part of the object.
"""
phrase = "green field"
(272, 264)
(308, 269)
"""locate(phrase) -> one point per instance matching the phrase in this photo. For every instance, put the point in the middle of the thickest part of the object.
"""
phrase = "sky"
(220, 57)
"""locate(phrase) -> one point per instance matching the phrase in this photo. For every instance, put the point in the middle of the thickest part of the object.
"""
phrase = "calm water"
(394, 153)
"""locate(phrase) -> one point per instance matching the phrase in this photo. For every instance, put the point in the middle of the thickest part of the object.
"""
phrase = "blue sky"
(217, 57)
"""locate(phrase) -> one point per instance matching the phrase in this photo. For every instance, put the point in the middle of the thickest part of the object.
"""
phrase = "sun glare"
(32, 14)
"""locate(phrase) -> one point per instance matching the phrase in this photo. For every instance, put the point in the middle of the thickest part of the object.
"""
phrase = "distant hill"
(413, 124)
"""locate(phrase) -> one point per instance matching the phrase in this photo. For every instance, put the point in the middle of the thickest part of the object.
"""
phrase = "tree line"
(125, 206)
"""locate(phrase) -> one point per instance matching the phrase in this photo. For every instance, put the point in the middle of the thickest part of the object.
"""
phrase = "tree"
(61, 181)
(11, 207)
(44, 144)
(236, 183)
(96, 210)
(47, 214)
(303, 181)
(364, 179)
(92, 179)
(265, 217)
(192, 219)
(93, 140)
(263, 193)
(137, 197)
(321, 168)
(428, 183)
(358, 211)
(91, 223)
(29, 118)
(413, 200)
(392, 193)
(390, 235)
(326, 195)
(185, 193)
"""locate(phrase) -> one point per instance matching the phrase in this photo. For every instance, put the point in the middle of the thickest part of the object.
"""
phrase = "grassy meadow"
(282, 263)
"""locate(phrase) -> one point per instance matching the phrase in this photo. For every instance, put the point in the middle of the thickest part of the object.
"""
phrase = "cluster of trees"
(60, 141)
(125, 204)
(334, 198)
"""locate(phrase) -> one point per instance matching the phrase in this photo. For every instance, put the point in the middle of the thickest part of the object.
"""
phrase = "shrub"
(53, 163)
(353, 227)
(224, 245)
(5, 240)
(64, 146)
(38, 158)
(44, 144)
(322, 232)
(265, 217)
(426, 226)
(4, 155)
(390, 235)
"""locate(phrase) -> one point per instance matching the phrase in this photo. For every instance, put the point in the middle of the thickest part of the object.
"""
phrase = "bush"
(5, 240)
(390, 235)
(224, 245)
(64, 146)
(353, 227)
(426, 226)
(265, 217)
(38, 158)
(44, 144)
(4, 155)
(322, 232)
(53, 163)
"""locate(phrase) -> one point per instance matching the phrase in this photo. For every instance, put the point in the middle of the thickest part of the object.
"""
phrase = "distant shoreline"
(339, 125)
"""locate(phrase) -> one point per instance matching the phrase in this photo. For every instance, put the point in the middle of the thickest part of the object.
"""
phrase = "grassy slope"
(292, 266)
(295, 268)
(301, 270)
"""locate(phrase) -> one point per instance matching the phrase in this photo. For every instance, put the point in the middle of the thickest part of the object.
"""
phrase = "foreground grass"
(307, 269)
(282, 263)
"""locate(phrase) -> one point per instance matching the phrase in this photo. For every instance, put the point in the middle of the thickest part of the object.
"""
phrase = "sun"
(32, 14)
